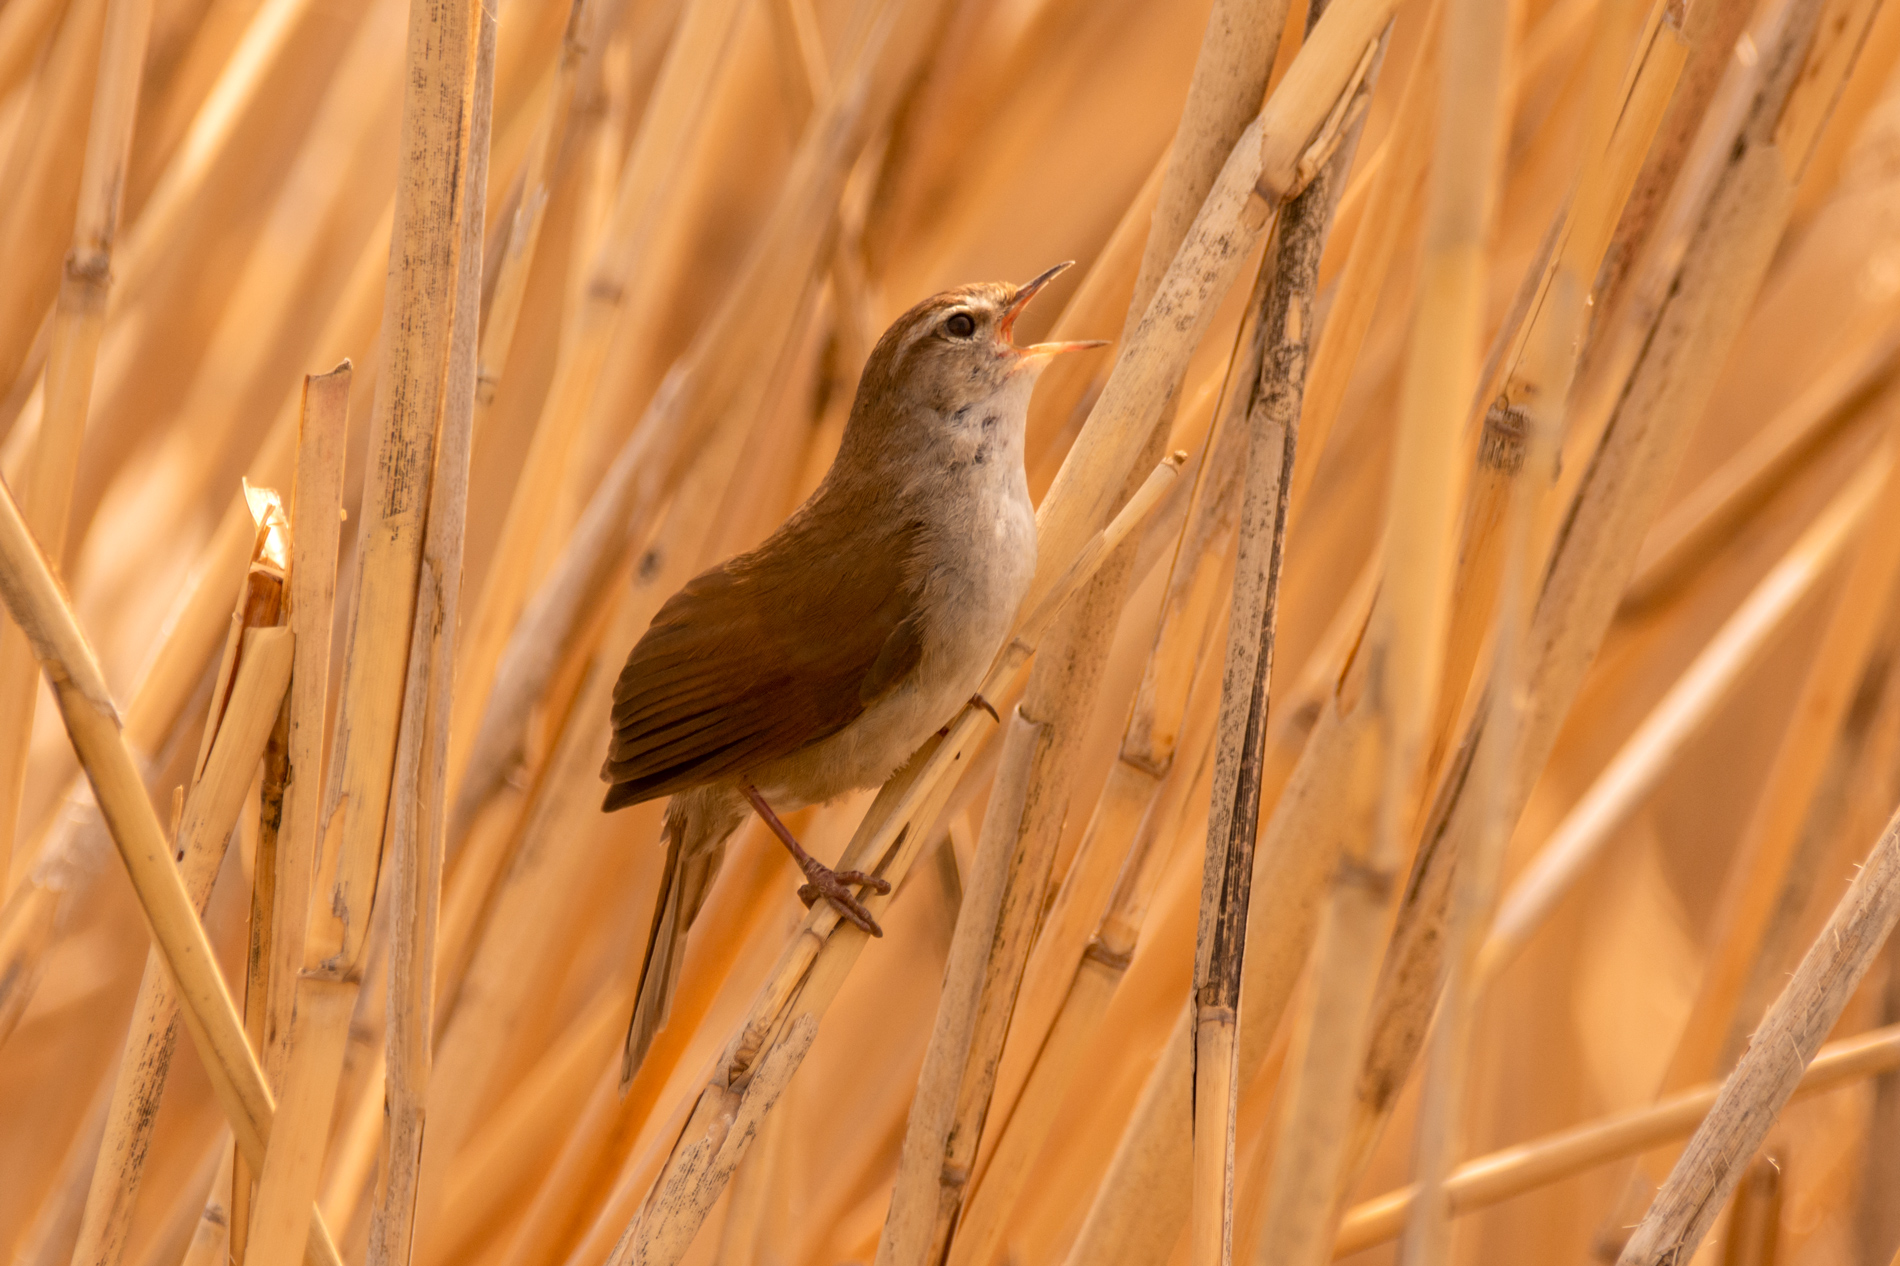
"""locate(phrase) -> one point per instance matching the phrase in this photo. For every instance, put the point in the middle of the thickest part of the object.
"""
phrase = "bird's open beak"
(1040, 351)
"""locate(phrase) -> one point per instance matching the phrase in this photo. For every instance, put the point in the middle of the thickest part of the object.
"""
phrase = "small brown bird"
(821, 660)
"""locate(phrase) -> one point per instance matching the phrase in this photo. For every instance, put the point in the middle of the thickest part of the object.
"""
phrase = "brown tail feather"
(698, 824)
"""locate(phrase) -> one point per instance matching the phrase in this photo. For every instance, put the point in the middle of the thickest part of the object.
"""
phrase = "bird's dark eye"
(960, 325)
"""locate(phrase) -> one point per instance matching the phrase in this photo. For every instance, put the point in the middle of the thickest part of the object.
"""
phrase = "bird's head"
(956, 351)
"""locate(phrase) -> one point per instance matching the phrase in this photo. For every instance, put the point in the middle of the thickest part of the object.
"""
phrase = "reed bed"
(1440, 803)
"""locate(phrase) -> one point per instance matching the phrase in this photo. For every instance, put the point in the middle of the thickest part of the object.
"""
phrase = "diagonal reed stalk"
(1655, 368)
(33, 598)
(1779, 1054)
(245, 703)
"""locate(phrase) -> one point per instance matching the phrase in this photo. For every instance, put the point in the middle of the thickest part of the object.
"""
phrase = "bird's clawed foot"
(822, 880)
(978, 701)
(835, 886)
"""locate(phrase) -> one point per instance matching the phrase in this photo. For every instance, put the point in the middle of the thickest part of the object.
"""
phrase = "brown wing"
(750, 662)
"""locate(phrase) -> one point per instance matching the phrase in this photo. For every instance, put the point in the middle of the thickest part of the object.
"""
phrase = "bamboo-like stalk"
(1405, 635)
(1549, 359)
(33, 598)
(1778, 1056)
(1512, 1171)
(1095, 974)
(244, 712)
(1677, 717)
(998, 919)
(420, 787)
(1708, 257)
(78, 319)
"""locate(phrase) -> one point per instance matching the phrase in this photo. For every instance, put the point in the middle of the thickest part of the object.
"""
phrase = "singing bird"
(818, 662)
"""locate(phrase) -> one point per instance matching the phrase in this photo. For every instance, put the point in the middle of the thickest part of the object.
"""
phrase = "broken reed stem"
(783, 1019)
(33, 598)
(1652, 374)
(244, 711)
(78, 319)
(1021, 831)
(1777, 1058)
(1496, 1177)
(1275, 397)
(424, 388)
(1405, 637)
(1626, 781)
(316, 511)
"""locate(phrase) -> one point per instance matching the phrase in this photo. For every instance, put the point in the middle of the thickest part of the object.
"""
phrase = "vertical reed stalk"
(1405, 635)
(421, 767)
(316, 525)
(424, 390)
(1286, 320)
(78, 319)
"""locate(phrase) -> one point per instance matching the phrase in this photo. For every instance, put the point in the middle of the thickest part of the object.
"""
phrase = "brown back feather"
(757, 658)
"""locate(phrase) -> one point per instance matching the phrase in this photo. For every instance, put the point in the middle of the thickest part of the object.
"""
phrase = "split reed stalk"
(420, 788)
(316, 510)
(1287, 315)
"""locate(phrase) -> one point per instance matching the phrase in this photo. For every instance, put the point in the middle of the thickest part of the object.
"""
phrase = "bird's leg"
(822, 881)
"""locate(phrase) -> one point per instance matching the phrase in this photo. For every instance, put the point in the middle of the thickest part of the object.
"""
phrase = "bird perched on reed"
(818, 662)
